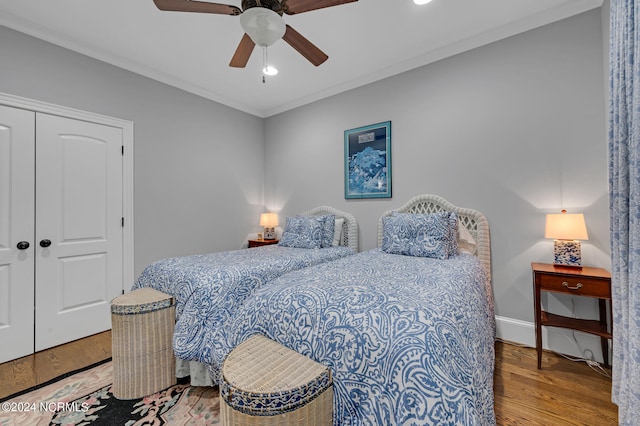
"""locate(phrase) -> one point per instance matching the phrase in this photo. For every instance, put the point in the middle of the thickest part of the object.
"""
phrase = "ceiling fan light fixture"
(263, 25)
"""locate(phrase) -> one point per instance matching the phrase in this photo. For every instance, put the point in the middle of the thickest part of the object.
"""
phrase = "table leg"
(604, 342)
(538, 319)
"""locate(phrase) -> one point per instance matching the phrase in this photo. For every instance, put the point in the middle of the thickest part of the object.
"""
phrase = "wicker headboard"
(473, 220)
(349, 227)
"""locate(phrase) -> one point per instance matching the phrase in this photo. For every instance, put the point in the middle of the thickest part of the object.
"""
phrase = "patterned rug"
(85, 398)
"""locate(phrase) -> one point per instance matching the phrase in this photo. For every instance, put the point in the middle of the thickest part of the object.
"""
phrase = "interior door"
(78, 240)
(16, 230)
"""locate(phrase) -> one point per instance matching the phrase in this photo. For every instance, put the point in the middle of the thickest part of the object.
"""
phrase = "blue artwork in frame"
(367, 161)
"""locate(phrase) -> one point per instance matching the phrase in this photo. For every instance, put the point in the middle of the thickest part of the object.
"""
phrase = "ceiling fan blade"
(291, 7)
(304, 46)
(243, 52)
(197, 6)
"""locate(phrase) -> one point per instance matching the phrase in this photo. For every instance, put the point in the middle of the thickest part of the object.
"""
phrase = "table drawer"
(579, 286)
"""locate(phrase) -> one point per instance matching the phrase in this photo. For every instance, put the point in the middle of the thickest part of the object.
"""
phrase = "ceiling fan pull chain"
(264, 64)
(266, 68)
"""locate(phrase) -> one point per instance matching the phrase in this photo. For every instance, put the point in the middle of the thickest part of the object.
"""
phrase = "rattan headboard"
(473, 220)
(349, 227)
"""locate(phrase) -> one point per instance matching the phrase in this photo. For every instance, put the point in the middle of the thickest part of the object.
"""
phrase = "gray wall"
(198, 165)
(515, 129)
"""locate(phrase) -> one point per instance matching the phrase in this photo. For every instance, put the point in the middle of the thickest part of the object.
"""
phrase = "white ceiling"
(366, 41)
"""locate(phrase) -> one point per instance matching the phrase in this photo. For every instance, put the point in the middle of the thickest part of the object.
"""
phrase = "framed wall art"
(367, 161)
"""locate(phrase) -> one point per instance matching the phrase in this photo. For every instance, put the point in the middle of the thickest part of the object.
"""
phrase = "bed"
(409, 339)
(229, 277)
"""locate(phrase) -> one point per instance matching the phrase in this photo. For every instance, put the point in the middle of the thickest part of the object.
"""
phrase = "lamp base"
(269, 233)
(567, 253)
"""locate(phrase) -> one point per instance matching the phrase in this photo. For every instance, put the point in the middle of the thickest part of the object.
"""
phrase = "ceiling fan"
(262, 22)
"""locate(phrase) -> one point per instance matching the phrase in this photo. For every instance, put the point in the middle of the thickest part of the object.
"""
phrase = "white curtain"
(624, 196)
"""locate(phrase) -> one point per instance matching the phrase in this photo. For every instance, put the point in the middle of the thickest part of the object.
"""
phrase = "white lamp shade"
(269, 220)
(564, 226)
(263, 25)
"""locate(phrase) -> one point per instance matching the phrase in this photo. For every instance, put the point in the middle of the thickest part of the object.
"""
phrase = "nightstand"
(586, 282)
(258, 243)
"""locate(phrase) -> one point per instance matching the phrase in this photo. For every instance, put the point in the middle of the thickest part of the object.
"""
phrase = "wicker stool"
(265, 383)
(142, 324)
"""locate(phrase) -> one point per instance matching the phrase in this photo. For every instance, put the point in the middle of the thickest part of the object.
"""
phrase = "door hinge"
(122, 149)
(122, 222)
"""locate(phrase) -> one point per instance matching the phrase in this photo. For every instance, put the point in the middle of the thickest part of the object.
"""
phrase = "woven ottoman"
(265, 383)
(142, 324)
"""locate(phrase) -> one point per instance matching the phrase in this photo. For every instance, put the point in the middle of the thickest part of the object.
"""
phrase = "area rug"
(85, 398)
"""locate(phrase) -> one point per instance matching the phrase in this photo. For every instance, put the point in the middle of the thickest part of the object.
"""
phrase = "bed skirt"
(196, 370)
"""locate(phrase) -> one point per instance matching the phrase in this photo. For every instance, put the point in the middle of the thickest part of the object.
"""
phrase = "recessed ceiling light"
(421, 1)
(266, 68)
(269, 70)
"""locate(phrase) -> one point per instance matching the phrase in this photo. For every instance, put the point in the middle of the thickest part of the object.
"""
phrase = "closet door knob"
(23, 245)
(45, 243)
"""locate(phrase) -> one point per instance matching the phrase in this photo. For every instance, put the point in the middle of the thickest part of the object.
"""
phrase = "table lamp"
(269, 221)
(566, 229)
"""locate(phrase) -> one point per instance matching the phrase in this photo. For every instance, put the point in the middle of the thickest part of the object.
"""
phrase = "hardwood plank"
(563, 392)
(26, 372)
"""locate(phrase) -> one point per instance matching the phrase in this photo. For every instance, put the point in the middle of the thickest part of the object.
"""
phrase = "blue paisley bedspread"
(230, 274)
(409, 340)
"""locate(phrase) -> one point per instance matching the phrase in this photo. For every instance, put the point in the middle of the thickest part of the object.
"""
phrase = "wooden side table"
(258, 243)
(586, 282)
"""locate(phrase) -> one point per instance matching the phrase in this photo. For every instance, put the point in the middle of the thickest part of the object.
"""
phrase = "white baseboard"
(573, 343)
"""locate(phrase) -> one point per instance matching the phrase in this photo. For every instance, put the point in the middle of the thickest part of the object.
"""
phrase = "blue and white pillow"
(425, 235)
(328, 230)
(304, 232)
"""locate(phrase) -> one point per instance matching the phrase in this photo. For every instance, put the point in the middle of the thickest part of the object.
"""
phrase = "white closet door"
(78, 240)
(16, 226)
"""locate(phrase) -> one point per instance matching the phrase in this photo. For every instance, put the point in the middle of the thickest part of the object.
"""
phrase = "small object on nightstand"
(586, 282)
(269, 221)
(258, 243)
(566, 229)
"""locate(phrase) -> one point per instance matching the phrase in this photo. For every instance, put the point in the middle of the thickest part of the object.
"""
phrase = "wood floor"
(26, 372)
(562, 393)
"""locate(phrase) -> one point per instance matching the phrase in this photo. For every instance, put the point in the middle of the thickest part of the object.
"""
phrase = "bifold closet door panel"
(78, 241)
(17, 171)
